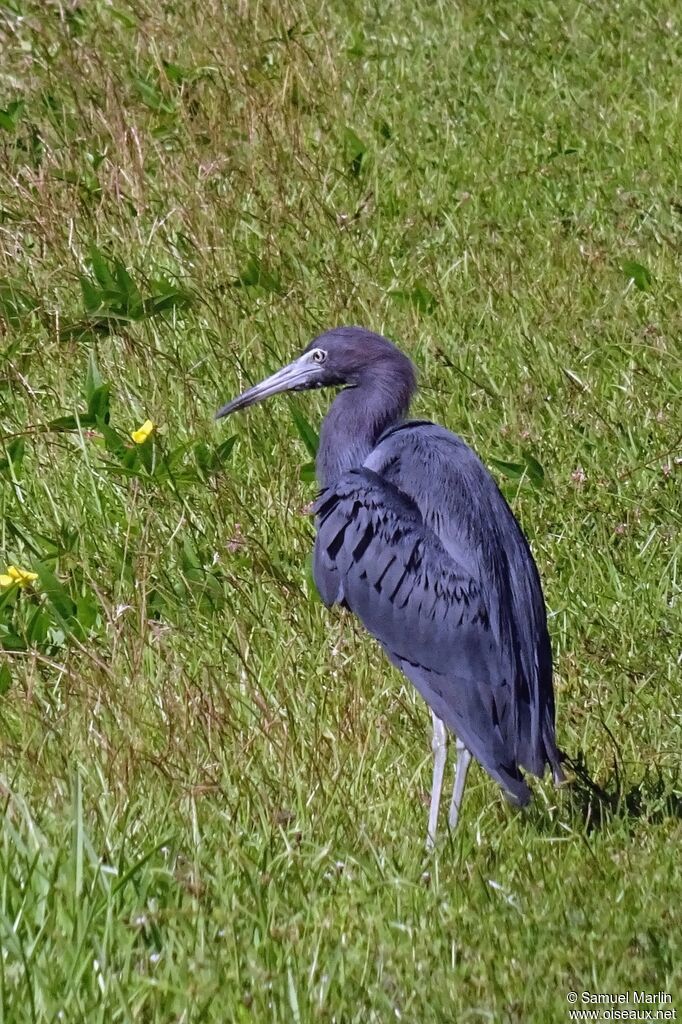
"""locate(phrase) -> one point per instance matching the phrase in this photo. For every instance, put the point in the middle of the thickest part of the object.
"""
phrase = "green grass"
(214, 789)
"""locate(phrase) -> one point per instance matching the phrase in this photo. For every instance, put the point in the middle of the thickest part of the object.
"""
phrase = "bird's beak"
(297, 376)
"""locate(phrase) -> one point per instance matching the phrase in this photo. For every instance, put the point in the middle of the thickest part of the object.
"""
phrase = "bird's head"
(344, 356)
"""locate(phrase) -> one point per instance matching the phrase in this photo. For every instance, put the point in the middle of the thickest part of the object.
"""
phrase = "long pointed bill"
(297, 376)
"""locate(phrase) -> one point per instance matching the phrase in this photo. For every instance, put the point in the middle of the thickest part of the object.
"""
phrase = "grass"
(213, 789)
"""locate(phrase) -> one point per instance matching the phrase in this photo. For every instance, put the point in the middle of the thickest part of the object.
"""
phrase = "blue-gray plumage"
(414, 536)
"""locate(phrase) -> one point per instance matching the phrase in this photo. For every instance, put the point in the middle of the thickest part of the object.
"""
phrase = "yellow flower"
(141, 435)
(16, 575)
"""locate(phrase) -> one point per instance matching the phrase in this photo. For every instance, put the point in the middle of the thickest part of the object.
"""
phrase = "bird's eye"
(319, 355)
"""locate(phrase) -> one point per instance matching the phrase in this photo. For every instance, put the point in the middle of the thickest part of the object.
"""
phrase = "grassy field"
(214, 790)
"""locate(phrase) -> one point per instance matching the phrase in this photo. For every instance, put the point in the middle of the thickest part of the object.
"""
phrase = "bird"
(415, 538)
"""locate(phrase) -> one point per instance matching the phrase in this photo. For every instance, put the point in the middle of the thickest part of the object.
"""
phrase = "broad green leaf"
(202, 456)
(420, 297)
(176, 456)
(384, 129)
(255, 275)
(512, 470)
(536, 473)
(637, 273)
(130, 460)
(14, 457)
(146, 456)
(190, 558)
(113, 441)
(93, 378)
(56, 636)
(210, 460)
(107, 323)
(100, 269)
(41, 546)
(38, 627)
(223, 451)
(124, 18)
(9, 117)
(423, 298)
(151, 95)
(86, 181)
(307, 473)
(98, 405)
(128, 469)
(93, 297)
(10, 640)
(355, 151)
(5, 677)
(177, 74)
(306, 432)
(72, 422)
(175, 299)
(57, 595)
(86, 611)
(128, 291)
(95, 159)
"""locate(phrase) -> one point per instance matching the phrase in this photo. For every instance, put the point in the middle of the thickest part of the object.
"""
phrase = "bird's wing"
(459, 500)
(375, 554)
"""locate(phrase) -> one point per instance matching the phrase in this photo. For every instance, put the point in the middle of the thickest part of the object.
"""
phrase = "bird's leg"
(439, 745)
(463, 760)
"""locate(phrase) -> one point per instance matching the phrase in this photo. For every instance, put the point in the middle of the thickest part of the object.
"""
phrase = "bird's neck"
(358, 417)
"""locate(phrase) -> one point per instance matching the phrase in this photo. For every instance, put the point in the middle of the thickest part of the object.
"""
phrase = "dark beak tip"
(224, 411)
(293, 377)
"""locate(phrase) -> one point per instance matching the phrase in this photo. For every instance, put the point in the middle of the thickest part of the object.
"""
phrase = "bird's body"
(416, 539)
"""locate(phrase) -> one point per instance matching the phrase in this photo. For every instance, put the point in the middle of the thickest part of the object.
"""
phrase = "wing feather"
(375, 554)
(459, 500)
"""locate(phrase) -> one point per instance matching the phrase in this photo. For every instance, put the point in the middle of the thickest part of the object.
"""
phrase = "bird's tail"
(514, 786)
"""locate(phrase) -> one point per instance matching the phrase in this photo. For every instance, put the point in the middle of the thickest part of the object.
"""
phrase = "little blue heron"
(415, 538)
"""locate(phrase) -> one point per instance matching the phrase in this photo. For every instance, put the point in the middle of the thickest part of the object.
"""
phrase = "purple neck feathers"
(361, 413)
